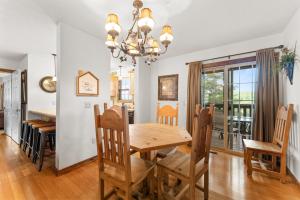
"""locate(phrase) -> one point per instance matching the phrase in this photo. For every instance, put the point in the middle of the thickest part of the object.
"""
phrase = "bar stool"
(34, 130)
(40, 151)
(25, 135)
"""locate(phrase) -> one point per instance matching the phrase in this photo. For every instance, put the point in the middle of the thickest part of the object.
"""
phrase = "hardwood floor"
(19, 179)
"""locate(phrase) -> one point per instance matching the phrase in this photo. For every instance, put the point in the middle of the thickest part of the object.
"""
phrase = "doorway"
(11, 103)
(232, 89)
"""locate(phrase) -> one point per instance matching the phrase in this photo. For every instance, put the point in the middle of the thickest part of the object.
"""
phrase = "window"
(232, 89)
(124, 89)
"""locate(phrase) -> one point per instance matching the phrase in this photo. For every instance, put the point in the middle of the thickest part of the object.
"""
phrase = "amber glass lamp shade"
(112, 26)
(166, 36)
(146, 22)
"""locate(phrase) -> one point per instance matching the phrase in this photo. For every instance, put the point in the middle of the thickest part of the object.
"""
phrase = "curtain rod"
(238, 54)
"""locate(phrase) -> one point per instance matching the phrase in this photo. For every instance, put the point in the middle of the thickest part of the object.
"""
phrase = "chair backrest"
(283, 125)
(211, 109)
(167, 115)
(112, 134)
(202, 132)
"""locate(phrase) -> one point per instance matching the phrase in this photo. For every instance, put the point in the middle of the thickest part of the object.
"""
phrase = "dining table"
(147, 138)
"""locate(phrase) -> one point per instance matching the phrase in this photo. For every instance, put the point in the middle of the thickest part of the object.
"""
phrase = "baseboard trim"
(293, 177)
(75, 166)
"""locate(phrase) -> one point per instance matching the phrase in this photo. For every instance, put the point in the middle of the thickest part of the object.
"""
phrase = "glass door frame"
(225, 69)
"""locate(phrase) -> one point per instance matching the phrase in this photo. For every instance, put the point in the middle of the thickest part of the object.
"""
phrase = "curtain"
(1, 96)
(193, 92)
(267, 98)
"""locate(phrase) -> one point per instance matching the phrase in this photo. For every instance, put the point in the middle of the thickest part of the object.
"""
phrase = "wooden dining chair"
(167, 115)
(189, 168)
(277, 148)
(116, 166)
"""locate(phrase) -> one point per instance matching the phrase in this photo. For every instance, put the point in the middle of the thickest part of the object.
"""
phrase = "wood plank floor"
(228, 180)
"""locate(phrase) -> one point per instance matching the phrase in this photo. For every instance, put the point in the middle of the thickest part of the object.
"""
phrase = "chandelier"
(138, 41)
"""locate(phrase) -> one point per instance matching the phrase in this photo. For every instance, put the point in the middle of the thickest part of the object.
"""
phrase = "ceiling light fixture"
(138, 42)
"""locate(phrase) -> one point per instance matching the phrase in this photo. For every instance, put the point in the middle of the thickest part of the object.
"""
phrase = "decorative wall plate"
(47, 84)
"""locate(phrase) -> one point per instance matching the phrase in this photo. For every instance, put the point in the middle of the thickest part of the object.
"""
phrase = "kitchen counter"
(50, 113)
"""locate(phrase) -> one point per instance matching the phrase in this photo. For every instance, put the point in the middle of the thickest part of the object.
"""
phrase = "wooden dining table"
(150, 137)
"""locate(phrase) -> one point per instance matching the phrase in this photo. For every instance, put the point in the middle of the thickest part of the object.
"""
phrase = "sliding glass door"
(212, 92)
(231, 89)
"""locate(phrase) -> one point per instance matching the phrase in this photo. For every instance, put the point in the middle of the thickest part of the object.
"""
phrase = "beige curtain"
(267, 95)
(193, 92)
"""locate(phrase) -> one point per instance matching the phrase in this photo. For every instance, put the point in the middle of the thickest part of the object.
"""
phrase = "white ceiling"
(197, 24)
(25, 28)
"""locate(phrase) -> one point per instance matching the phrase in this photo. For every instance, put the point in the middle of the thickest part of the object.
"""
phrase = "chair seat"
(48, 129)
(162, 153)
(179, 163)
(139, 168)
(262, 146)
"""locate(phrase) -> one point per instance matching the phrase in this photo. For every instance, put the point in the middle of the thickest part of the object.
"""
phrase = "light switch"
(87, 105)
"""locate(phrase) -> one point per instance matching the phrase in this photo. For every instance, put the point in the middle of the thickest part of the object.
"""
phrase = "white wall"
(292, 95)
(176, 65)
(78, 50)
(8, 63)
(142, 92)
(39, 65)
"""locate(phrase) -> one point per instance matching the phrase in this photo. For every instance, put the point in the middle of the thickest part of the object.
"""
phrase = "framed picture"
(87, 84)
(24, 87)
(168, 88)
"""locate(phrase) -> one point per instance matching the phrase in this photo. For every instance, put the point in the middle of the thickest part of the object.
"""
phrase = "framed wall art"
(87, 84)
(168, 88)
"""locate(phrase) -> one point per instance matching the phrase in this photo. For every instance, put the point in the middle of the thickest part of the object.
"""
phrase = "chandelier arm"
(118, 54)
(133, 25)
(165, 51)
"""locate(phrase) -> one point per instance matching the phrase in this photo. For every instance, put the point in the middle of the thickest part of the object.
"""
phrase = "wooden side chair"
(190, 168)
(166, 115)
(277, 148)
(116, 166)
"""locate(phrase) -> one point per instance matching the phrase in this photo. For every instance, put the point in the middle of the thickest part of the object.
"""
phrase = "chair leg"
(245, 156)
(248, 162)
(159, 183)
(128, 194)
(206, 185)
(283, 169)
(42, 151)
(101, 187)
(192, 190)
(273, 162)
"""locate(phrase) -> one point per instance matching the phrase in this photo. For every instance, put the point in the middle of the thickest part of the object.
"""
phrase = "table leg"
(147, 182)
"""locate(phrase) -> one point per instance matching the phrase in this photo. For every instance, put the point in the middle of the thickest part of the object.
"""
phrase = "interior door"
(7, 105)
(16, 105)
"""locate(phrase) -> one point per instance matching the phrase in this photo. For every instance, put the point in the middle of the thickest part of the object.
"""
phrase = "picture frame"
(168, 87)
(24, 87)
(87, 84)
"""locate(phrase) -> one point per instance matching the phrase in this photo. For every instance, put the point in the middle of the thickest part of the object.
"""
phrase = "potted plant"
(287, 62)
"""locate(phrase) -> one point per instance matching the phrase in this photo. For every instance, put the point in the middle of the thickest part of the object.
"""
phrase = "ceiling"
(25, 28)
(197, 24)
